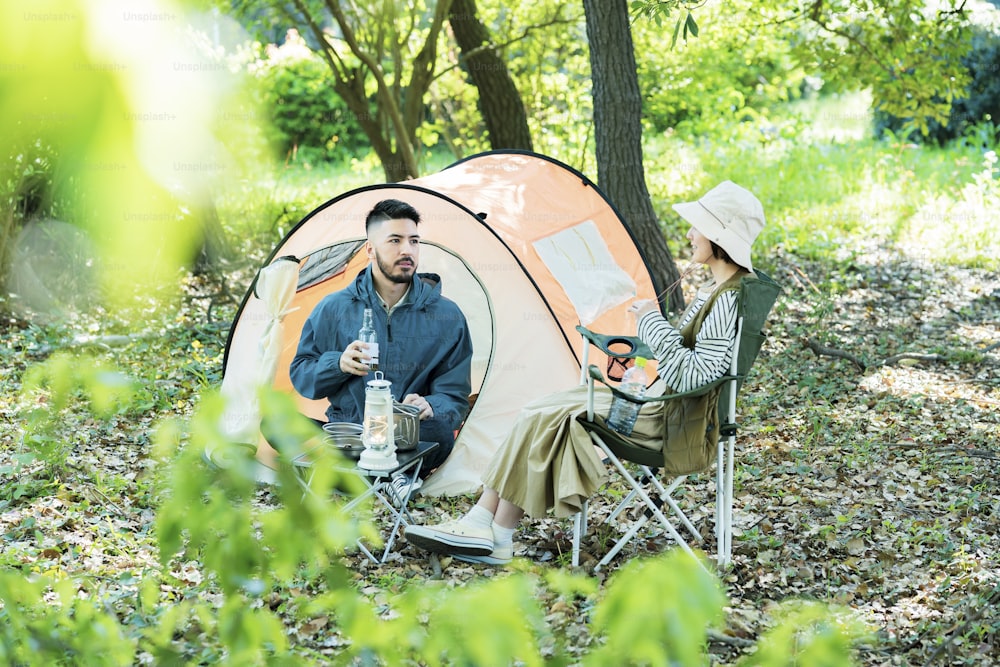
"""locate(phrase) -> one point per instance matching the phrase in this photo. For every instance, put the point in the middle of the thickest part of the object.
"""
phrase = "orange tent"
(527, 246)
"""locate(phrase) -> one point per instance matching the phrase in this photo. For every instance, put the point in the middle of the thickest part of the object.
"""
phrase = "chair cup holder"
(619, 351)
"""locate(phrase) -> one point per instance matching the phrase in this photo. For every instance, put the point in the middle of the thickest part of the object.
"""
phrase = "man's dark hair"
(390, 209)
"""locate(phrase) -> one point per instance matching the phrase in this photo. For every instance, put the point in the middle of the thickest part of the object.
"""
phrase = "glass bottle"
(368, 336)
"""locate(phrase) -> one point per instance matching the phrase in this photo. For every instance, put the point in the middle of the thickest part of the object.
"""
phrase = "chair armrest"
(595, 374)
(604, 343)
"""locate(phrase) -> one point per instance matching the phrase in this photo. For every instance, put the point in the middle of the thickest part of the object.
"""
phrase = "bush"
(969, 115)
(734, 69)
(309, 121)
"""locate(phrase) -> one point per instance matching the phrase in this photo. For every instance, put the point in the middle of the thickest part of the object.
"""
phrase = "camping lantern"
(377, 436)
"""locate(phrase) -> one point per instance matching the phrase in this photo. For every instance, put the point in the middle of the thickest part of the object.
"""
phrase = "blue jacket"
(424, 348)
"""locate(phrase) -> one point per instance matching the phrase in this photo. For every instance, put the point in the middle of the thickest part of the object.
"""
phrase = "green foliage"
(737, 69)
(505, 603)
(28, 190)
(545, 47)
(46, 442)
(908, 52)
(826, 190)
(209, 516)
(68, 376)
(680, 602)
(45, 622)
(269, 566)
(454, 120)
(659, 10)
(809, 634)
(207, 502)
(382, 59)
(959, 226)
(973, 116)
(131, 155)
(309, 122)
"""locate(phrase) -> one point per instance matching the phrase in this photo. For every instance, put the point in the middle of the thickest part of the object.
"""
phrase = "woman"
(547, 461)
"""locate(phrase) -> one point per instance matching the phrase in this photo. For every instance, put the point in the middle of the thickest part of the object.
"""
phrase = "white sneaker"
(402, 488)
(452, 537)
(500, 555)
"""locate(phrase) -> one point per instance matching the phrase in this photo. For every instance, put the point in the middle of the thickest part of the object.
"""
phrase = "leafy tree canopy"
(908, 52)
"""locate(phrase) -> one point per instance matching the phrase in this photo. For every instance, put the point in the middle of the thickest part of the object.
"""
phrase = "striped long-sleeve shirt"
(683, 368)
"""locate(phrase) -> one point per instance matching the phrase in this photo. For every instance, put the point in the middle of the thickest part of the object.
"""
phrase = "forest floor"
(872, 488)
(866, 464)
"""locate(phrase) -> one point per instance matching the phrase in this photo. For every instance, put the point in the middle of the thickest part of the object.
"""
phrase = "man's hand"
(354, 359)
(426, 412)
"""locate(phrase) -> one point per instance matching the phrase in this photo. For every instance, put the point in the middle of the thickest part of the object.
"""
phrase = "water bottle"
(623, 412)
(368, 336)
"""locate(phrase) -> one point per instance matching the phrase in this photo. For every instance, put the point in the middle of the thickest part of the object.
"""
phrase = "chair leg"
(636, 526)
(626, 502)
(669, 527)
(667, 497)
(579, 530)
(665, 492)
(725, 556)
(724, 501)
(720, 490)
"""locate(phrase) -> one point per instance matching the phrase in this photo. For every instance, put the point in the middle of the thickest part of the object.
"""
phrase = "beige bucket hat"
(728, 215)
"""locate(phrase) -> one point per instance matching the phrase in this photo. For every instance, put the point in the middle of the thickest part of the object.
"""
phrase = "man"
(425, 348)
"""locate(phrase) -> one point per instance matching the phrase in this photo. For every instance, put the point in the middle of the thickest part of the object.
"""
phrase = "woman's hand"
(643, 306)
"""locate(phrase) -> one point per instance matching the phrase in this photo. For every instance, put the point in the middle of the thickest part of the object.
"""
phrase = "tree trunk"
(618, 136)
(391, 115)
(499, 100)
(215, 247)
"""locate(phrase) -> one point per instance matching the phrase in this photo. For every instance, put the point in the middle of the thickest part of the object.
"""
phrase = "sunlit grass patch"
(960, 225)
(826, 197)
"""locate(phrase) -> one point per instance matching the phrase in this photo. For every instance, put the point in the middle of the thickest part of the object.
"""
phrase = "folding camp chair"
(757, 295)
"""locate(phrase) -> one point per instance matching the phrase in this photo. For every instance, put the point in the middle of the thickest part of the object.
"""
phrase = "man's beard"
(387, 270)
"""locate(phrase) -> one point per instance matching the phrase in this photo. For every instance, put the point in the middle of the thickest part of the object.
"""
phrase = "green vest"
(691, 425)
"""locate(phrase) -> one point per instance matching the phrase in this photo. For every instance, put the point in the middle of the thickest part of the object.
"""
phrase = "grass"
(827, 191)
(826, 185)
(265, 206)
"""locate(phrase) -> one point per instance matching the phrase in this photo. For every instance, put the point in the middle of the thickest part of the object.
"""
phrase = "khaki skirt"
(549, 462)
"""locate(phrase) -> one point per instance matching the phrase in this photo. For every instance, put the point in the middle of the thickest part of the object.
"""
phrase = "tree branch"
(422, 67)
(337, 66)
(555, 20)
(949, 449)
(823, 24)
(896, 358)
(719, 638)
(959, 630)
(822, 351)
(403, 145)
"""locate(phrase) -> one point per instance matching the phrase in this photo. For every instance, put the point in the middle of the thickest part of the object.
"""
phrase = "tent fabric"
(525, 245)
(274, 289)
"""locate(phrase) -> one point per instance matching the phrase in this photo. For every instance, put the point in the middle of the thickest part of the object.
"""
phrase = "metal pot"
(345, 437)
(406, 425)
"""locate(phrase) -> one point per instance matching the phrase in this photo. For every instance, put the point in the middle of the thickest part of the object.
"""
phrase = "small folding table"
(378, 485)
